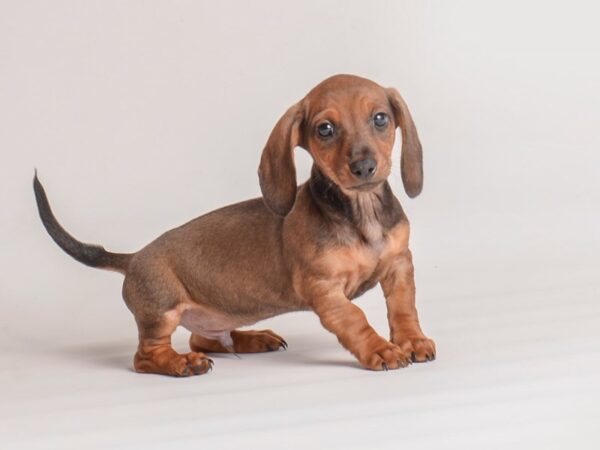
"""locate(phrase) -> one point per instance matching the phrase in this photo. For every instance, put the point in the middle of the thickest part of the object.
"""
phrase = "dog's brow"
(331, 114)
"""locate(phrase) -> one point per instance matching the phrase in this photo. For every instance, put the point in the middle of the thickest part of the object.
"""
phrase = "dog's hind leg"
(157, 300)
(156, 355)
(247, 341)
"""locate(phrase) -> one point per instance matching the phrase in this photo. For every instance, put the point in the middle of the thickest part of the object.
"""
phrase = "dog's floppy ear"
(411, 165)
(277, 171)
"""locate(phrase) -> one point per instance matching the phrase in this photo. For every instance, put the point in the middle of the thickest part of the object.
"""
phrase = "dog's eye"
(380, 119)
(325, 129)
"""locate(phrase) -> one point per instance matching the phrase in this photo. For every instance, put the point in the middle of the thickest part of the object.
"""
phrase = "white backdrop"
(141, 115)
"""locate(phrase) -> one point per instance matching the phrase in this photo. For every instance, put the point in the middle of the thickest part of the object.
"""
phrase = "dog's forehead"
(344, 90)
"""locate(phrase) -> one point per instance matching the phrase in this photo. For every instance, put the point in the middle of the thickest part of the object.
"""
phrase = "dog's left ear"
(411, 165)
(277, 171)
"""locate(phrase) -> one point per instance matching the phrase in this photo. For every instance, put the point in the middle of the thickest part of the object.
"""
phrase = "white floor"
(518, 367)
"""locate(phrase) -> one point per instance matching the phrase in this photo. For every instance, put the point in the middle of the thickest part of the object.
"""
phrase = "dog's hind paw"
(251, 341)
(166, 361)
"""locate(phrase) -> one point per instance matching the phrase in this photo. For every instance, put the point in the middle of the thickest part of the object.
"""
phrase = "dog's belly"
(242, 305)
(212, 324)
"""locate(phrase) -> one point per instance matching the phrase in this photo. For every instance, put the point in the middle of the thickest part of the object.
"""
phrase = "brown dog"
(316, 246)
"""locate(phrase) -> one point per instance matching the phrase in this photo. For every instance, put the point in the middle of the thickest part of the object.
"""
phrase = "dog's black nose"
(363, 169)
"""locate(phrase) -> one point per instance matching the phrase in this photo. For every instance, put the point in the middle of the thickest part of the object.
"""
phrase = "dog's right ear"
(277, 171)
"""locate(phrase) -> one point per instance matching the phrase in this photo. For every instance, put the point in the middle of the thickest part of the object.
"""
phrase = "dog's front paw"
(384, 356)
(421, 348)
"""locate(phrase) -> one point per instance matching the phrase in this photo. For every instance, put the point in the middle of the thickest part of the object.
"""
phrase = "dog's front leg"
(349, 324)
(399, 289)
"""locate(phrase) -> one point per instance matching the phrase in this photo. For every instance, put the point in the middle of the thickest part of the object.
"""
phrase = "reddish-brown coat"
(316, 246)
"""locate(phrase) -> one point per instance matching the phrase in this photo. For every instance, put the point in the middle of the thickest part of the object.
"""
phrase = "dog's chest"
(360, 266)
(373, 233)
(363, 269)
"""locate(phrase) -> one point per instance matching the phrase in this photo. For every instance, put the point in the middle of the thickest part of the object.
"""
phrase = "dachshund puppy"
(313, 247)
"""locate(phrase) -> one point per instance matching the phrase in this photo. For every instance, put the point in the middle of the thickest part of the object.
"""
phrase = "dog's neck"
(372, 213)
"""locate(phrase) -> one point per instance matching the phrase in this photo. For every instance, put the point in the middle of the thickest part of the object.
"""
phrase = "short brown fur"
(312, 247)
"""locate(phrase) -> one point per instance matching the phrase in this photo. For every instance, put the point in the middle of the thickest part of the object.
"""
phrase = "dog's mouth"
(366, 186)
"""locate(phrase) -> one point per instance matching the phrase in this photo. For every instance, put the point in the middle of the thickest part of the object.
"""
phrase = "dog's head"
(347, 124)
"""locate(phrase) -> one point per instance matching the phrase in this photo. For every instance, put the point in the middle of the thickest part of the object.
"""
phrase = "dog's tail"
(88, 254)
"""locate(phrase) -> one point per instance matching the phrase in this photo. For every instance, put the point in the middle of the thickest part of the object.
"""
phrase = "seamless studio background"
(142, 115)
